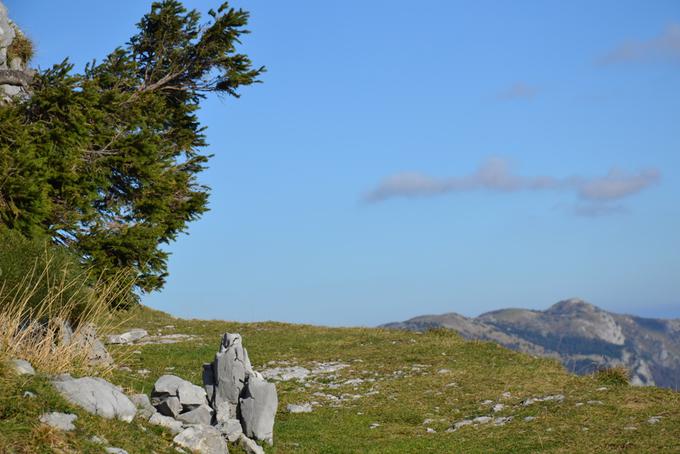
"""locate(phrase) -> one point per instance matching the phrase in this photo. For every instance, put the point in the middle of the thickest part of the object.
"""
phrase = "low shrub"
(613, 376)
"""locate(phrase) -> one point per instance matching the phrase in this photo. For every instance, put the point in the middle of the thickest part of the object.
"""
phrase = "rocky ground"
(360, 390)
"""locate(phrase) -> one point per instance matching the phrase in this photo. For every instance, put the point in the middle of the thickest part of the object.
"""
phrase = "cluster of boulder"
(235, 404)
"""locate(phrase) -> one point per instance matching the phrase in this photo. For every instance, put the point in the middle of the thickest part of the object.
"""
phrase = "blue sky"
(404, 158)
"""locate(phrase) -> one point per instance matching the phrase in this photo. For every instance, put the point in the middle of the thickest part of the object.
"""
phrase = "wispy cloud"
(665, 46)
(496, 175)
(518, 90)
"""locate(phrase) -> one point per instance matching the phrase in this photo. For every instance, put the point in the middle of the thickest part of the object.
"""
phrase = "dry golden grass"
(37, 333)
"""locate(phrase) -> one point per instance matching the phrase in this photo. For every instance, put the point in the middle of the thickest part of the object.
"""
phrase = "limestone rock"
(258, 409)
(167, 384)
(249, 446)
(166, 421)
(96, 396)
(61, 421)
(143, 404)
(111, 450)
(169, 407)
(230, 368)
(231, 429)
(190, 395)
(202, 439)
(22, 367)
(127, 337)
(200, 415)
(302, 408)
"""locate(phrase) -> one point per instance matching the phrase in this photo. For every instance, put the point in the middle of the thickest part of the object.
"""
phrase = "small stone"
(444, 371)
(430, 430)
(61, 421)
(22, 367)
(498, 407)
(501, 421)
(98, 440)
(506, 395)
(166, 421)
(112, 450)
(529, 418)
(374, 425)
(459, 424)
(303, 408)
(249, 446)
(29, 394)
(200, 415)
(594, 402)
(654, 420)
(128, 337)
(202, 439)
(482, 419)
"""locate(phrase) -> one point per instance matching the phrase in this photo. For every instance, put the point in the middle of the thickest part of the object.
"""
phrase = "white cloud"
(496, 175)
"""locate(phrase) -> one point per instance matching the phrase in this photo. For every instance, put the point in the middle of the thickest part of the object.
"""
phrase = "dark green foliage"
(106, 162)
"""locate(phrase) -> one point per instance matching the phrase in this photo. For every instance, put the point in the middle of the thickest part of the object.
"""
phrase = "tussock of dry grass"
(37, 333)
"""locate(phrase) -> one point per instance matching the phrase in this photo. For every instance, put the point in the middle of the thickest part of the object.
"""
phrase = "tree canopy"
(106, 161)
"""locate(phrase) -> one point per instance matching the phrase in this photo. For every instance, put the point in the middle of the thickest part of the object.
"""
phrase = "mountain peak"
(571, 306)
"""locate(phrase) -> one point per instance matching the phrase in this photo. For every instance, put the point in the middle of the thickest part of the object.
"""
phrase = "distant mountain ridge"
(582, 336)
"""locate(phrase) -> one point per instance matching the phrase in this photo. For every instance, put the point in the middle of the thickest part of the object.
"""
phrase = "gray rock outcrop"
(235, 405)
(97, 396)
(15, 78)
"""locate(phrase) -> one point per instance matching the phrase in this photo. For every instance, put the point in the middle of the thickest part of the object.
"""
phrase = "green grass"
(407, 395)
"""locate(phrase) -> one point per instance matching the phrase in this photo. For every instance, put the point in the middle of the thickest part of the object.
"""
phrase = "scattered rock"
(202, 439)
(501, 421)
(172, 424)
(553, 398)
(595, 402)
(654, 420)
(96, 396)
(529, 418)
(286, 373)
(111, 450)
(199, 415)
(29, 394)
(430, 430)
(249, 446)
(22, 367)
(85, 338)
(303, 408)
(482, 419)
(128, 337)
(98, 440)
(61, 421)
(258, 409)
(374, 425)
(498, 407)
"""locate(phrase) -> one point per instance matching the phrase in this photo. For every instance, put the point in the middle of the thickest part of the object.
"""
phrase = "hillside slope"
(371, 390)
(582, 336)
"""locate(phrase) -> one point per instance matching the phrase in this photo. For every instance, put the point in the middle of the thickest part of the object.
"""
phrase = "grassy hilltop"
(411, 389)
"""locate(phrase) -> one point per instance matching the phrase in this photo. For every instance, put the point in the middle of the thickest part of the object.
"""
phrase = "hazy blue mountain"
(582, 336)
